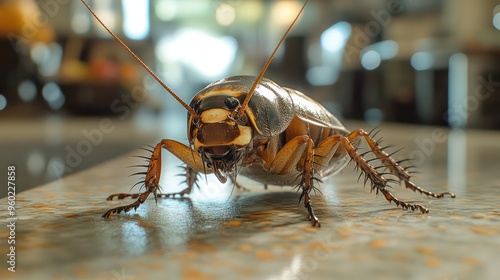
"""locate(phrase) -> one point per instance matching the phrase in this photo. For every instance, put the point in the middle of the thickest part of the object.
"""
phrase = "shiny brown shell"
(271, 108)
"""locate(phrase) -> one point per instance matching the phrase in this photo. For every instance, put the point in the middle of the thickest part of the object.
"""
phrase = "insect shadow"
(250, 126)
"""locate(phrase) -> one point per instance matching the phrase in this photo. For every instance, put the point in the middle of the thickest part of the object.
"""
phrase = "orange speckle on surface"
(145, 224)
(185, 256)
(258, 216)
(378, 243)
(433, 262)
(456, 217)
(480, 216)
(380, 222)
(309, 229)
(234, 223)
(244, 248)
(344, 232)
(81, 272)
(262, 223)
(56, 226)
(292, 236)
(442, 228)
(425, 250)
(71, 215)
(264, 255)
(415, 235)
(46, 206)
(50, 197)
(190, 272)
(471, 261)
(42, 206)
(481, 230)
(322, 246)
(69, 195)
(201, 247)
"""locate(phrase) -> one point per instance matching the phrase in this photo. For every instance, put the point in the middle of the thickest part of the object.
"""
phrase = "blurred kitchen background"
(71, 97)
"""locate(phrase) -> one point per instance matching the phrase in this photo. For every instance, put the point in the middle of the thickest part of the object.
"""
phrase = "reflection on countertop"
(264, 234)
(47, 148)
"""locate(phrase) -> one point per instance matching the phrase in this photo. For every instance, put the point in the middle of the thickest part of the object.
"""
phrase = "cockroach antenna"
(241, 111)
(191, 111)
(271, 141)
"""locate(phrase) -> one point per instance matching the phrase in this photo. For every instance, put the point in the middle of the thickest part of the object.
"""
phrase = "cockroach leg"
(193, 161)
(187, 155)
(378, 182)
(307, 182)
(239, 186)
(151, 181)
(400, 172)
(191, 180)
(390, 197)
(308, 205)
(410, 185)
(297, 153)
(142, 197)
(122, 196)
(243, 120)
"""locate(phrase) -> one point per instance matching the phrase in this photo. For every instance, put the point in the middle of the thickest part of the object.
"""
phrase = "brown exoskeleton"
(275, 135)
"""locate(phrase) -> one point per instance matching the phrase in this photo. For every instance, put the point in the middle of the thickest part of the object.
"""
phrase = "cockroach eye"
(232, 102)
(267, 130)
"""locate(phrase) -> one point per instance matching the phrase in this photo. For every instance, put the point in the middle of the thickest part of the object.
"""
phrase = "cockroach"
(272, 134)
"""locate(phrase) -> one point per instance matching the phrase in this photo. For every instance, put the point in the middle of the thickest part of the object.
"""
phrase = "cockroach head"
(220, 139)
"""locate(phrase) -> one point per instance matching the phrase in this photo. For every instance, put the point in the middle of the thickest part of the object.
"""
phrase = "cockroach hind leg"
(410, 185)
(393, 167)
(405, 205)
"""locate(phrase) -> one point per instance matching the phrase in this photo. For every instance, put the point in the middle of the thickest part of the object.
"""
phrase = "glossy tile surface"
(264, 234)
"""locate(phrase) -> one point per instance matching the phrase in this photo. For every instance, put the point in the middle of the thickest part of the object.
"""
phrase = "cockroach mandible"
(275, 135)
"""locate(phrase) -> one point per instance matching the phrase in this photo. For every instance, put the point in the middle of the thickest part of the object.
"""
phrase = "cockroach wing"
(271, 108)
(310, 111)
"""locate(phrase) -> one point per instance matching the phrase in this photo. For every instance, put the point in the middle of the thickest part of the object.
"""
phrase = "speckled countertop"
(264, 234)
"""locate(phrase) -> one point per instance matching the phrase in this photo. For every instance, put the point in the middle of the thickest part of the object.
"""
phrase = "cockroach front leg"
(239, 186)
(191, 180)
(153, 173)
(151, 183)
